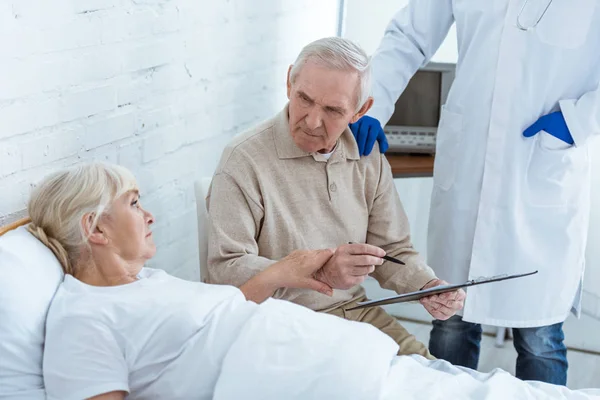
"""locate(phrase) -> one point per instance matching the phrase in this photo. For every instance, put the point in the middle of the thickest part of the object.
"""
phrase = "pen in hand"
(386, 257)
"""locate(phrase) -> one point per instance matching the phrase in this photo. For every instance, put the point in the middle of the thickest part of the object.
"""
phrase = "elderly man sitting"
(297, 182)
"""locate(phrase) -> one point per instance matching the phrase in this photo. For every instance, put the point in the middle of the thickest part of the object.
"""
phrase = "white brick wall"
(159, 86)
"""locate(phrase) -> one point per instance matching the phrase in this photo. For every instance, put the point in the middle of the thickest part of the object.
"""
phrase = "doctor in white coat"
(512, 169)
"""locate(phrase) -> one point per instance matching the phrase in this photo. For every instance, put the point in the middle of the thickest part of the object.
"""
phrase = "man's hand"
(443, 306)
(350, 265)
(367, 130)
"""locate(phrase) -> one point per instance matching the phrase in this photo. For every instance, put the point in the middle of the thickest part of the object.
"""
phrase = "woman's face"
(127, 229)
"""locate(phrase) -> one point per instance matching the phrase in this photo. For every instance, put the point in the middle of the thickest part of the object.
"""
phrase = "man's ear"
(289, 82)
(94, 234)
(363, 110)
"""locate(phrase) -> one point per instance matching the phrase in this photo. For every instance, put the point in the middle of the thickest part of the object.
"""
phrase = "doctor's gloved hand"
(554, 124)
(443, 306)
(366, 131)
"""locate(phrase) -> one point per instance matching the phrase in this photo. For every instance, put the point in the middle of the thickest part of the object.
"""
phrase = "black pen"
(392, 259)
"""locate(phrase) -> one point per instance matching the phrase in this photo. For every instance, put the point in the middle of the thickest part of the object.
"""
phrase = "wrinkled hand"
(350, 265)
(298, 268)
(366, 131)
(443, 306)
(554, 124)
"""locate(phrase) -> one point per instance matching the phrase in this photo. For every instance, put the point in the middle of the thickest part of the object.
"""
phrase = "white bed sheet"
(289, 352)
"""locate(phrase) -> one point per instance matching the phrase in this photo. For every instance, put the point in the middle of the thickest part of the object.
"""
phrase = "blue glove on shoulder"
(366, 131)
(554, 124)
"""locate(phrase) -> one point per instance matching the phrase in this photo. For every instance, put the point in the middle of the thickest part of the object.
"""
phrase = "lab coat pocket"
(448, 137)
(565, 24)
(554, 174)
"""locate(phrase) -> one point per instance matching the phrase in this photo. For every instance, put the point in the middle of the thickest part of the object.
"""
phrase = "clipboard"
(413, 296)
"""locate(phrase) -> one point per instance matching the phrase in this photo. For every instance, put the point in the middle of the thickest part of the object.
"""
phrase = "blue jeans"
(542, 355)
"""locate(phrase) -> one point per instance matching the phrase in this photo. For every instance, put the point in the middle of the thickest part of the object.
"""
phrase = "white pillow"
(29, 277)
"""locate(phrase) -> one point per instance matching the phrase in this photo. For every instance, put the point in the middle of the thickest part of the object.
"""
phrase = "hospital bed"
(30, 274)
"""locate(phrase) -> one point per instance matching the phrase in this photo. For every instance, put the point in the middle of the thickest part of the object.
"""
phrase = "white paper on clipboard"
(413, 296)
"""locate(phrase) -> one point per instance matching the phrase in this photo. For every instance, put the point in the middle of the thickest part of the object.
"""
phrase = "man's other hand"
(443, 306)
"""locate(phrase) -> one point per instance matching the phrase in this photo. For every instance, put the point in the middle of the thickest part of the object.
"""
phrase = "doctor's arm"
(575, 123)
(410, 40)
(583, 116)
(234, 218)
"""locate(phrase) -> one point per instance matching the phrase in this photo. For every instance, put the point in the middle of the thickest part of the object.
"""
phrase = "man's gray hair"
(339, 54)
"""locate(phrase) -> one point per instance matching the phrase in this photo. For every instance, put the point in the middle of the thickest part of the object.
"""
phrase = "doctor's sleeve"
(82, 359)
(583, 116)
(389, 229)
(410, 40)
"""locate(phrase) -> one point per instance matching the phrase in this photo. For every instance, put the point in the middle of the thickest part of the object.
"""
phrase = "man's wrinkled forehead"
(336, 88)
(334, 103)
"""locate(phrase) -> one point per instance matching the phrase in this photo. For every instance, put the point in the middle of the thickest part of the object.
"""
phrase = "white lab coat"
(503, 203)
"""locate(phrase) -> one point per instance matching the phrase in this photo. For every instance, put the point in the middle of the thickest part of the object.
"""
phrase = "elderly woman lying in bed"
(117, 329)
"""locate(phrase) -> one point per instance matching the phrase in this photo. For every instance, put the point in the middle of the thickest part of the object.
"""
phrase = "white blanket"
(289, 352)
(415, 377)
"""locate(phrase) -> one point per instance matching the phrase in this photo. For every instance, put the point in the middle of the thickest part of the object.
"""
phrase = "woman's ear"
(92, 230)
(363, 110)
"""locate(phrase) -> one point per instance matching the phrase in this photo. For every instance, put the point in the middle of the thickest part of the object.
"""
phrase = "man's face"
(322, 104)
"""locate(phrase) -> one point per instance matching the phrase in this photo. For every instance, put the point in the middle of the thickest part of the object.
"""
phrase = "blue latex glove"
(366, 131)
(554, 124)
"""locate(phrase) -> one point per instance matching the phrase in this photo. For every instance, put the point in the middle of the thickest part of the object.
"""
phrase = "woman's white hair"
(60, 201)
(339, 54)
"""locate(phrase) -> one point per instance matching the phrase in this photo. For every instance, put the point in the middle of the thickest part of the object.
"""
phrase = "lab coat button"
(333, 187)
